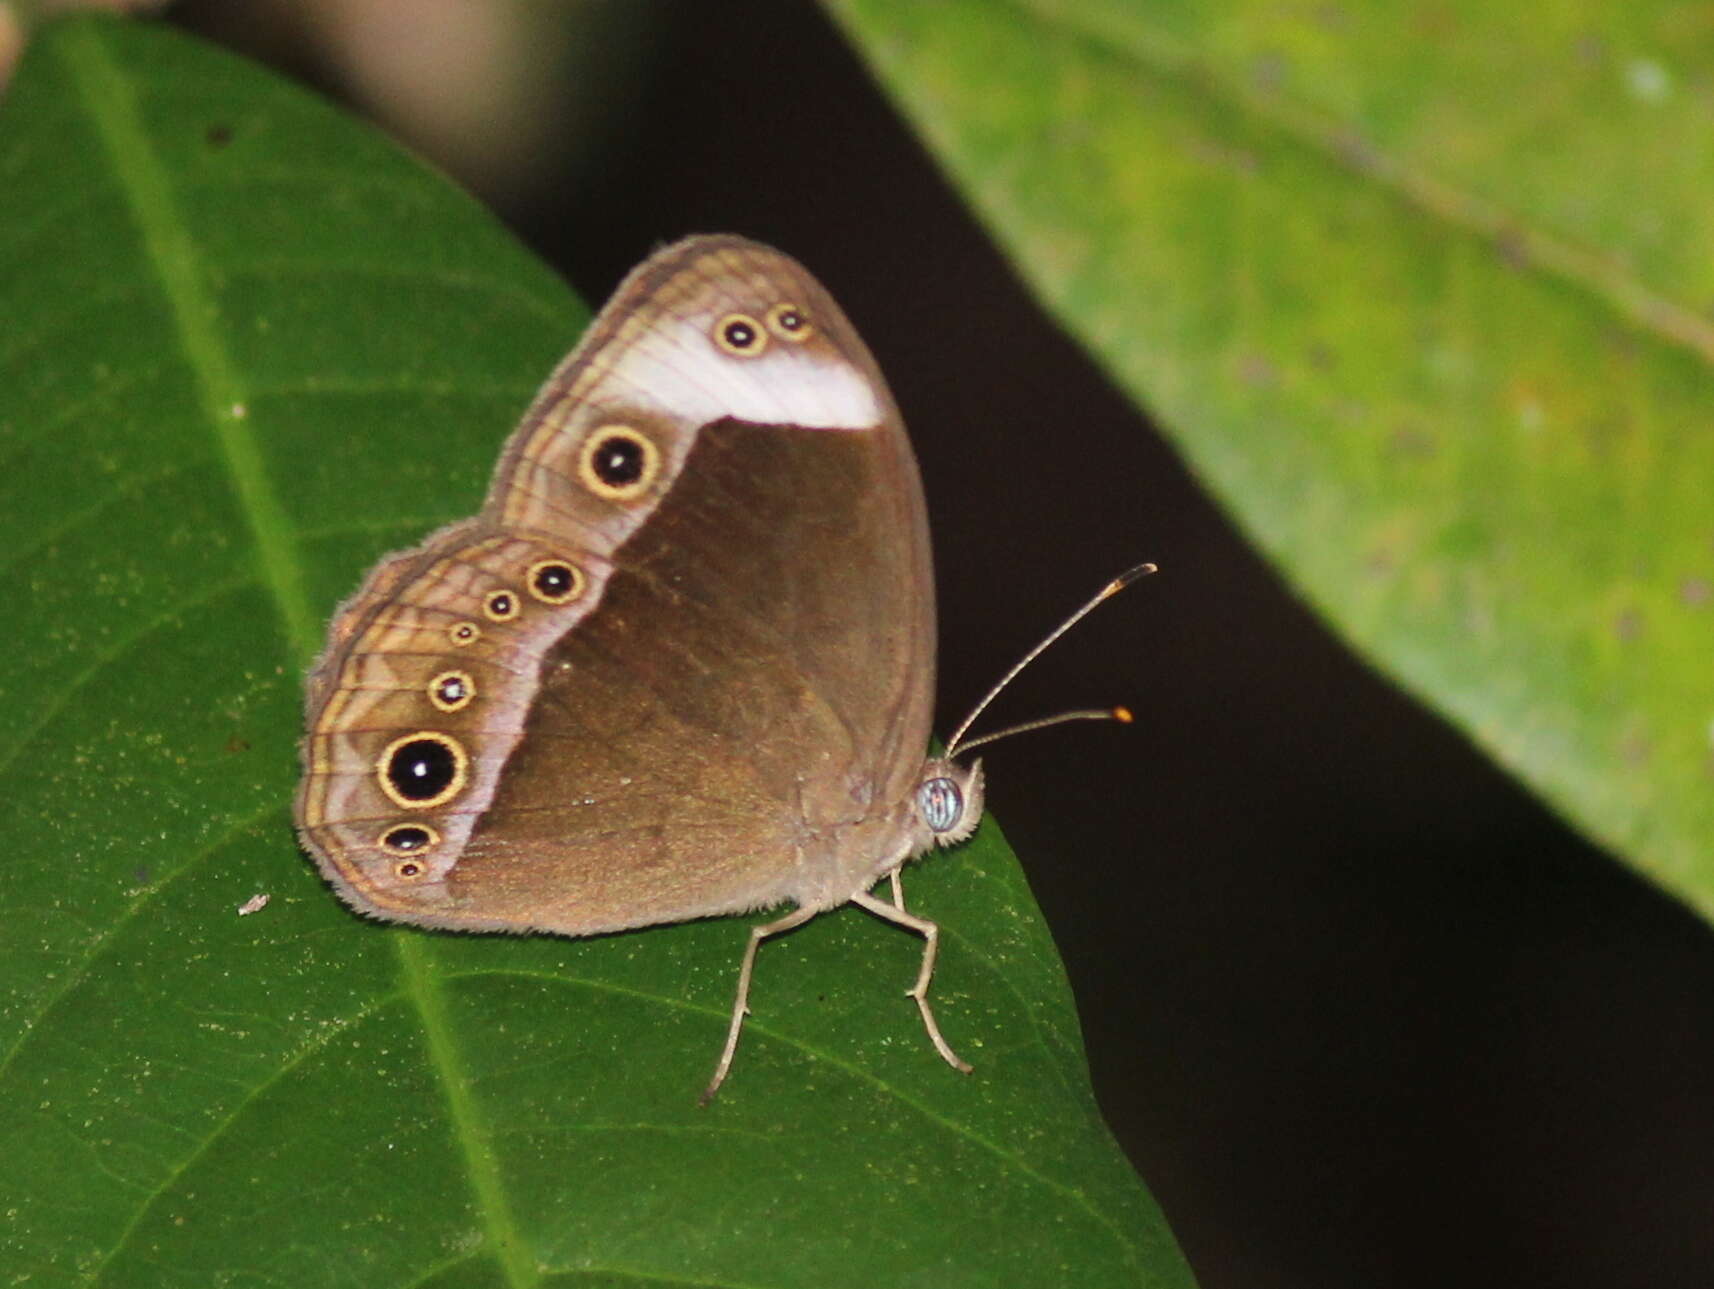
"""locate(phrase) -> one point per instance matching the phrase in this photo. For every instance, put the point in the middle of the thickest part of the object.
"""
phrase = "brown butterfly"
(681, 663)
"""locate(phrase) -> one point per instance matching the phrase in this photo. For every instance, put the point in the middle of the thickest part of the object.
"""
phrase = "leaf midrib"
(174, 256)
(475, 1135)
(107, 95)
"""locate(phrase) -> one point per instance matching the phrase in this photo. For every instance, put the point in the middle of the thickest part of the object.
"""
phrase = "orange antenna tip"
(956, 743)
(1123, 715)
(1126, 578)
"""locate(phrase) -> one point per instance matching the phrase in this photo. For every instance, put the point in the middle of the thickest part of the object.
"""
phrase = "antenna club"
(1123, 715)
(1126, 578)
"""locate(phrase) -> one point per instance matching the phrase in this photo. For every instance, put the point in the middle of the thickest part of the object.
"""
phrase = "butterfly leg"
(930, 933)
(741, 1004)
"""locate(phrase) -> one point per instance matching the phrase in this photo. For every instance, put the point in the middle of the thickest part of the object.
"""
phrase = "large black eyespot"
(553, 581)
(740, 335)
(940, 803)
(422, 769)
(618, 463)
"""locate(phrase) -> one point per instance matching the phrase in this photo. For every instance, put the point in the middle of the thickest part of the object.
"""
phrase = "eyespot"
(500, 606)
(554, 581)
(409, 839)
(423, 769)
(408, 869)
(464, 633)
(740, 335)
(940, 804)
(618, 463)
(789, 322)
(452, 690)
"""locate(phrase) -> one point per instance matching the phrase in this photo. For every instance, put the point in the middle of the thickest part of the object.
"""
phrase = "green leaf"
(248, 347)
(1423, 294)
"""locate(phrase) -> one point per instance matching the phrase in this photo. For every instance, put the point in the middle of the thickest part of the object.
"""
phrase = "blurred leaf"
(248, 347)
(1424, 295)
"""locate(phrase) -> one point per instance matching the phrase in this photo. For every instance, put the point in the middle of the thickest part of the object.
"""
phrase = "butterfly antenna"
(1120, 714)
(956, 743)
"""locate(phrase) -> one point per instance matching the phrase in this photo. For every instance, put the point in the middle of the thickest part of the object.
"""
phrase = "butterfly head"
(949, 800)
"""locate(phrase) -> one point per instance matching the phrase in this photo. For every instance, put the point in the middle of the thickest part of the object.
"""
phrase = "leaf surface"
(1423, 295)
(249, 347)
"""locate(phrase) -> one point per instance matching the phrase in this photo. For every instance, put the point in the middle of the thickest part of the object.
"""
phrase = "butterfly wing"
(682, 662)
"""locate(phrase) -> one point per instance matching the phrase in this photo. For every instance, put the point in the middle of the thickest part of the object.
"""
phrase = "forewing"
(726, 707)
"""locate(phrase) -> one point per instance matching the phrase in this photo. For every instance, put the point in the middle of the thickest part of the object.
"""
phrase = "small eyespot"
(618, 463)
(554, 581)
(423, 769)
(941, 804)
(452, 690)
(464, 633)
(789, 322)
(740, 335)
(500, 606)
(408, 869)
(408, 839)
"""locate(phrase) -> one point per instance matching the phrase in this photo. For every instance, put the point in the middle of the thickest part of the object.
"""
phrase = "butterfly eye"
(553, 581)
(941, 804)
(618, 463)
(500, 606)
(408, 839)
(423, 769)
(464, 633)
(788, 322)
(740, 335)
(452, 690)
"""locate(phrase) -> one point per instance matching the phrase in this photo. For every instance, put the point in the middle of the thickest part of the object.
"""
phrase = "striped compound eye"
(940, 804)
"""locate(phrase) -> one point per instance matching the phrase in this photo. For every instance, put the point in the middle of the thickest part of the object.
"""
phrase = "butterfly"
(681, 662)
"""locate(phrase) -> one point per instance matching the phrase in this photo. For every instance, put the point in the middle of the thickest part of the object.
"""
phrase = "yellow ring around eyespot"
(780, 314)
(460, 770)
(501, 606)
(464, 633)
(758, 335)
(430, 844)
(579, 583)
(452, 704)
(649, 465)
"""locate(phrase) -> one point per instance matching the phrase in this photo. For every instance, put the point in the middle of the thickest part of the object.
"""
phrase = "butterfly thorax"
(943, 809)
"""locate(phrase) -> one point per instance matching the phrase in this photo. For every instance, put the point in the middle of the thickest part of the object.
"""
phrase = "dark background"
(1360, 1010)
